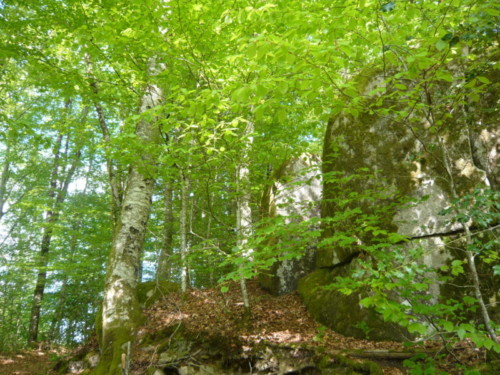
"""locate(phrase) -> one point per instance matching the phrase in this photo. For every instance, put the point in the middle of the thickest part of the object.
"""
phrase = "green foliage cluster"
(401, 284)
(77, 71)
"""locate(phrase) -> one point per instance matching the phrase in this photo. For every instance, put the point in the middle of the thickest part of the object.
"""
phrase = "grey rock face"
(411, 159)
(295, 195)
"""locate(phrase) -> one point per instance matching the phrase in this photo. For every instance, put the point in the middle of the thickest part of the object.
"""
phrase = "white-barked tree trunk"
(120, 311)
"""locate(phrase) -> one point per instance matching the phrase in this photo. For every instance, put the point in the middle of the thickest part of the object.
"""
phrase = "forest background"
(138, 137)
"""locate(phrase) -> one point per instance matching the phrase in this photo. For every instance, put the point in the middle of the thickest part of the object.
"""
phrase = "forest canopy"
(145, 140)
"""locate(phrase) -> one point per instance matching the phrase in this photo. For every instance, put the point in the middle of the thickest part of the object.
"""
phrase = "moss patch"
(110, 362)
(116, 337)
(343, 366)
(342, 313)
(491, 368)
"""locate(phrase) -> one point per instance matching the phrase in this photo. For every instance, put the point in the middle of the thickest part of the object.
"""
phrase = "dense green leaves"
(282, 66)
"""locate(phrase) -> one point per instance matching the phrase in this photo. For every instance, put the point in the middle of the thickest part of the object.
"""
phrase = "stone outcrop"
(342, 313)
(404, 158)
(294, 194)
(177, 352)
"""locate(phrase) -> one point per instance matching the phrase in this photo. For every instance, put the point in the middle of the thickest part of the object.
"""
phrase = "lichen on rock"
(405, 157)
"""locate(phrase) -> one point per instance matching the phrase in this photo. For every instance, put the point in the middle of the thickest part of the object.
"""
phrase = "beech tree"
(120, 306)
(57, 193)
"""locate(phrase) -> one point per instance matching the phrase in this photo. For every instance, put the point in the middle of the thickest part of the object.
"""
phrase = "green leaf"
(469, 300)
(496, 269)
(261, 91)
(281, 115)
(444, 75)
(441, 45)
(282, 87)
(368, 301)
(241, 95)
(417, 327)
(461, 333)
(448, 326)
(483, 79)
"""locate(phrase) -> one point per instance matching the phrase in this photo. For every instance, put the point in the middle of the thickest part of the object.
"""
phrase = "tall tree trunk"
(4, 178)
(57, 195)
(55, 323)
(243, 210)
(121, 312)
(44, 248)
(163, 271)
(115, 183)
(183, 230)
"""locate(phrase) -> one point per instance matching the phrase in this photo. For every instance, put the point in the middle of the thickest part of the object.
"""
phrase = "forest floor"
(30, 362)
(281, 321)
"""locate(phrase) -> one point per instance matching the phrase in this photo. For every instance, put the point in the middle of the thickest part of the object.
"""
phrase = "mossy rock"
(340, 365)
(291, 186)
(151, 291)
(342, 313)
(283, 277)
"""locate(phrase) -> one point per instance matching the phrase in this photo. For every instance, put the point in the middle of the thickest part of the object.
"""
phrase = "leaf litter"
(274, 320)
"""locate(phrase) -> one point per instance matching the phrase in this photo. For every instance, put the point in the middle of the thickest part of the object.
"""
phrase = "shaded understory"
(207, 333)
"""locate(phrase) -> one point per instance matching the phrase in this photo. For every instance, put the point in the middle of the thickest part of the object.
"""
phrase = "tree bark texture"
(4, 178)
(121, 312)
(164, 268)
(57, 194)
(183, 230)
(243, 210)
(115, 183)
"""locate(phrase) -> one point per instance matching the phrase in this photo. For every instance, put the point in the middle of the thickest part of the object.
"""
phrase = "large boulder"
(343, 313)
(294, 194)
(432, 166)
